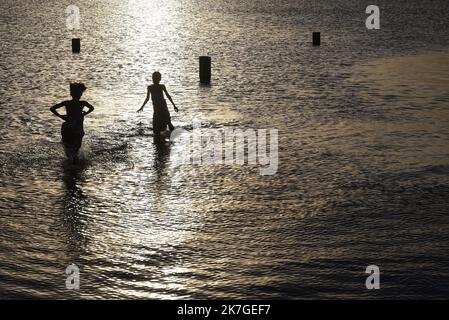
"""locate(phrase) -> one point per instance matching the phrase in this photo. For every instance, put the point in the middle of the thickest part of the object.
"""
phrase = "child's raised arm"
(56, 113)
(146, 100)
(169, 98)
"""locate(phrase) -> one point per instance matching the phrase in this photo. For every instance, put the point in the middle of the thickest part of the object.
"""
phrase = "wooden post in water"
(76, 45)
(205, 69)
(316, 38)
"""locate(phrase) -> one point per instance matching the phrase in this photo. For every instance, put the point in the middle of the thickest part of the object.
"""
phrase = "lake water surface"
(363, 176)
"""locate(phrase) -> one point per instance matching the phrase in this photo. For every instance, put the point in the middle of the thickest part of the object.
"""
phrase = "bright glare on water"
(363, 174)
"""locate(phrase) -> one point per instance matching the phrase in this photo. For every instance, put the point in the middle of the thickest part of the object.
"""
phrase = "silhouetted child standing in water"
(161, 115)
(72, 129)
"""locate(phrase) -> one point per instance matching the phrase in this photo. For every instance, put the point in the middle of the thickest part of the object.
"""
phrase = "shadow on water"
(74, 202)
(162, 153)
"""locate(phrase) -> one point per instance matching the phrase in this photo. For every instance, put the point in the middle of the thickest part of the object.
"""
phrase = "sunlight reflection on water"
(359, 170)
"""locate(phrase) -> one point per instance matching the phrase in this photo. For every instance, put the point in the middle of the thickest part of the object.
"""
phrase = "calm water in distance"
(363, 126)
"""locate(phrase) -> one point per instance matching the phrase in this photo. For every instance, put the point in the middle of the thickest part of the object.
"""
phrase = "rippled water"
(363, 126)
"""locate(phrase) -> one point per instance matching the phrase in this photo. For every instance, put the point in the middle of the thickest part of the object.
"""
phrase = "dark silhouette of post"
(76, 45)
(316, 38)
(205, 69)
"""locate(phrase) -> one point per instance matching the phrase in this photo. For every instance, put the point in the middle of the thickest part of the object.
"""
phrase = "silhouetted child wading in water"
(72, 129)
(161, 115)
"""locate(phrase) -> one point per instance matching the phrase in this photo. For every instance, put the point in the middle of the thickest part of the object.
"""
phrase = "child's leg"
(171, 127)
(76, 157)
(72, 138)
(71, 154)
(158, 126)
(157, 129)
